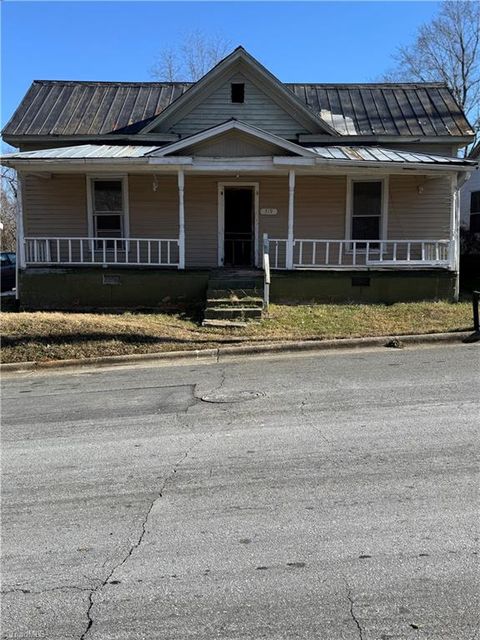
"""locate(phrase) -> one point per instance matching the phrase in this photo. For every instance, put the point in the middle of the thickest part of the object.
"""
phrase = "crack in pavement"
(352, 612)
(302, 408)
(143, 531)
(223, 377)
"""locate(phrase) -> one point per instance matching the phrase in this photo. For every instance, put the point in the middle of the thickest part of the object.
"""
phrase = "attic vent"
(238, 92)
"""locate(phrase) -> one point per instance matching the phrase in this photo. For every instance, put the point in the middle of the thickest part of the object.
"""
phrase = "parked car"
(7, 270)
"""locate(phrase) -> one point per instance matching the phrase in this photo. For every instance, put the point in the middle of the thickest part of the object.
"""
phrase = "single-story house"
(137, 192)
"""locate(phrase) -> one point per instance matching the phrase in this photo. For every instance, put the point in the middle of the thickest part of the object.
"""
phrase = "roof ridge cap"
(371, 84)
(191, 82)
(113, 82)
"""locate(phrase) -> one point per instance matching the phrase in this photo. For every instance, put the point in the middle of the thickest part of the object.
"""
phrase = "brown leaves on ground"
(54, 335)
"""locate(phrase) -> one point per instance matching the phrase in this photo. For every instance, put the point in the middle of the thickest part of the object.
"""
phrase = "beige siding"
(55, 206)
(273, 194)
(419, 208)
(201, 221)
(234, 145)
(153, 214)
(258, 109)
(415, 215)
(320, 207)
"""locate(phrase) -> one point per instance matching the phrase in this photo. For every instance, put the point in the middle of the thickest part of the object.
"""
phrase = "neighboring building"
(135, 192)
(470, 197)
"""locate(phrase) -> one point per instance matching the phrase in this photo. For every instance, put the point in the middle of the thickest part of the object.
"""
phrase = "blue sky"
(297, 41)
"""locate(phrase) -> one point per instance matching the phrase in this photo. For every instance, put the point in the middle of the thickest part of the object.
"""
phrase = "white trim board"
(221, 219)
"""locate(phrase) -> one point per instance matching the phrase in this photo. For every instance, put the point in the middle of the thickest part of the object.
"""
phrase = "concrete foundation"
(96, 289)
(92, 289)
(362, 286)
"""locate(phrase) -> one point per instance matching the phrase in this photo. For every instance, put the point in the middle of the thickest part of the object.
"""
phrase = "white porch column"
(181, 219)
(291, 213)
(20, 262)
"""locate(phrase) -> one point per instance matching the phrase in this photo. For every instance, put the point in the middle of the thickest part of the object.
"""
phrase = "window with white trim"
(108, 209)
(475, 212)
(366, 211)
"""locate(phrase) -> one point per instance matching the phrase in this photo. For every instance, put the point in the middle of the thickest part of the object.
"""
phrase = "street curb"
(221, 353)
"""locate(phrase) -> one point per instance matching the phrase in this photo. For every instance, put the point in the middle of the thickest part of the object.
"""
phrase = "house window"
(108, 209)
(475, 212)
(366, 211)
(238, 92)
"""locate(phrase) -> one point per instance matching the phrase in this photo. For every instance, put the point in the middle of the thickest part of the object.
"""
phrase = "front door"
(239, 219)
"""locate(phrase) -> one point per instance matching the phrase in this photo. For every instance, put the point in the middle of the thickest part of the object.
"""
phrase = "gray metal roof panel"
(93, 108)
(380, 154)
(334, 154)
(86, 151)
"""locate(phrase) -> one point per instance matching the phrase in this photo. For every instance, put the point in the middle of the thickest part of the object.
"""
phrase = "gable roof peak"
(271, 83)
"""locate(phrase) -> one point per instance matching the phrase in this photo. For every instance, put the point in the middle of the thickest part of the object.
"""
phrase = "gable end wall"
(258, 110)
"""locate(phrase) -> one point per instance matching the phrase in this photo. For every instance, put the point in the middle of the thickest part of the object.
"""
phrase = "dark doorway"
(238, 227)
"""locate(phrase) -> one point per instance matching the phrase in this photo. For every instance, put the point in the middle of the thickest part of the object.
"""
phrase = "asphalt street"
(331, 496)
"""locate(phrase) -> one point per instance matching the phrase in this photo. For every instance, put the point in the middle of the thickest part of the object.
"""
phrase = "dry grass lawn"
(53, 335)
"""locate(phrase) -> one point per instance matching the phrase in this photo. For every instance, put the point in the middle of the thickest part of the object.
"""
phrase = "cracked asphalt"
(339, 503)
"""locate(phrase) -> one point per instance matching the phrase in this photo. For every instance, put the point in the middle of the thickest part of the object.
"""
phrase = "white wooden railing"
(277, 250)
(111, 251)
(348, 254)
(307, 253)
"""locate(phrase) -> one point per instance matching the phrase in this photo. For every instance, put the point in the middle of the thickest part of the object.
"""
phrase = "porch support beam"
(291, 215)
(20, 228)
(181, 219)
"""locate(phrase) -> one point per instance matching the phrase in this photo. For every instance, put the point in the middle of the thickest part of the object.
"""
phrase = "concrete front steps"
(233, 298)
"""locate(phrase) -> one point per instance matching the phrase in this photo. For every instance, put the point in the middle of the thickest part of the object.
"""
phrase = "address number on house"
(269, 212)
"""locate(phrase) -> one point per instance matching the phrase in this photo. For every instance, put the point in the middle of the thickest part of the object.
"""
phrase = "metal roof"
(85, 151)
(55, 107)
(380, 154)
(61, 108)
(335, 154)
(387, 109)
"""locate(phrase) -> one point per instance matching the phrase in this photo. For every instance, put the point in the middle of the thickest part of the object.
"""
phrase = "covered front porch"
(182, 208)
(191, 220)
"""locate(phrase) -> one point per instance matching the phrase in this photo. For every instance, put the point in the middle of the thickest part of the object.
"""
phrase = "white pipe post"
(291, 212)
(455, 237)
(181, 219)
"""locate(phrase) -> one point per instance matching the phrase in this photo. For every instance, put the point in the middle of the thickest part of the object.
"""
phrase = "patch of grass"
(54, 335)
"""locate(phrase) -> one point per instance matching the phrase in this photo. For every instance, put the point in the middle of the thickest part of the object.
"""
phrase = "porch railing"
(99, 251)
(347, 254)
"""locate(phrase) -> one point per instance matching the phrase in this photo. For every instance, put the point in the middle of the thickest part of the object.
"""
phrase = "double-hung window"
(475, 212)
(366, 212)
(108, 210)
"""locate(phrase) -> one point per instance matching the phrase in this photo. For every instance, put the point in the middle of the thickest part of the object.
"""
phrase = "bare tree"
(447, 50)
(195, 54)
(8, 209)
